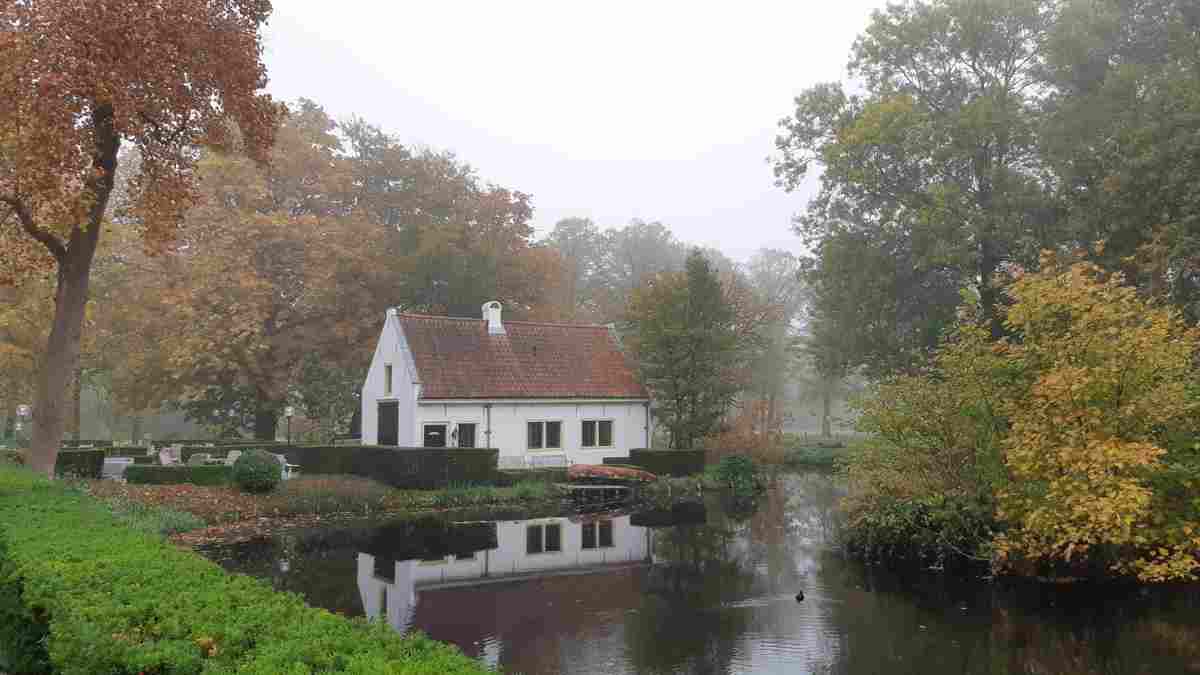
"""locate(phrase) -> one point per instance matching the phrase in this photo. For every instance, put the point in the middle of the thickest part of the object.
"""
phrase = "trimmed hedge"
(80, 593)
(73, 463)
(67, 443)
(80, 463)
(149, 474)
(663, 462)
(419, 468)
(223, 450)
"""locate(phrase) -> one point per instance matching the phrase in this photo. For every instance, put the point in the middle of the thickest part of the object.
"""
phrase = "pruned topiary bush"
(257, 471)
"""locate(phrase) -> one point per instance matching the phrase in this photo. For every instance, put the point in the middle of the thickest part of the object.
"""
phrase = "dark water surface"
(713, 591)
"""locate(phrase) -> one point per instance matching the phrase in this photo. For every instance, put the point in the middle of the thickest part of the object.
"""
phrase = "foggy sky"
(615, 110)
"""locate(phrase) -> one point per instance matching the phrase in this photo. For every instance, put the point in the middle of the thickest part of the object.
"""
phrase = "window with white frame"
(465, 434)
(597, 535)
(543, 538)
(434, 435)
(387, 379)
(544, 435)
(596, 434)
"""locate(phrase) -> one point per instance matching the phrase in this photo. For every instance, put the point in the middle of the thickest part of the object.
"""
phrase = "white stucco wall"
(509, 418)
(391, 349)
(397, 598)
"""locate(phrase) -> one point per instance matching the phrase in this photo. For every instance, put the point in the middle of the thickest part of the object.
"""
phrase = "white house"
(541, 393)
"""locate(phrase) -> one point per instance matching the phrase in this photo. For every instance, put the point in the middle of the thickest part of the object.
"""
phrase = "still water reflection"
(713, 591)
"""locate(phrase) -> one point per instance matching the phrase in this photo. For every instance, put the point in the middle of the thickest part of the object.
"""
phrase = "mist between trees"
(1005, 241)
(272, 290)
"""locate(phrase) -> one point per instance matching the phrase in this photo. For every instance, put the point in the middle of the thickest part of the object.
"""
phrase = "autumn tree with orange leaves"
(79, 79)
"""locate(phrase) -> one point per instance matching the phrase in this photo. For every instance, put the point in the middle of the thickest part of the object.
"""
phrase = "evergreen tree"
(687, 346)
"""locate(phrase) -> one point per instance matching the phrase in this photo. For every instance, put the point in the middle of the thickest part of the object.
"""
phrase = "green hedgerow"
(80, 593)
(257, 471)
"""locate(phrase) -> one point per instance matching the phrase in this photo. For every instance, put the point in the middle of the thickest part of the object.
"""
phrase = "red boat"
(608, 474)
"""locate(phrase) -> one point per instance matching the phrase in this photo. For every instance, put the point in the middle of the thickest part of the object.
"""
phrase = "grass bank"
(184, 507)
(82, 592)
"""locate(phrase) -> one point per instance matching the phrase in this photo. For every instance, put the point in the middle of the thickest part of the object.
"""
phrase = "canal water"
(713, 590)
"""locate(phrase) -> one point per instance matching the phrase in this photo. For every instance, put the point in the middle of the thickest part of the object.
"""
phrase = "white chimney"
(491, 314)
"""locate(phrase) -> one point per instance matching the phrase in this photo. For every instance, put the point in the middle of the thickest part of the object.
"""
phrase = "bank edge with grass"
(82, 593)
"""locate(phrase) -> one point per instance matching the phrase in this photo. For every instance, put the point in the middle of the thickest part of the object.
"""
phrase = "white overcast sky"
(612, 110)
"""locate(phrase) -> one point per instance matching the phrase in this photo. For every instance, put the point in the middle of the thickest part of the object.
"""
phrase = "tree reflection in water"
(712, 591)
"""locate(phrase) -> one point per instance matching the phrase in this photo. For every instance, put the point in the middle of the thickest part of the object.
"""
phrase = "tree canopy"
(78, 81)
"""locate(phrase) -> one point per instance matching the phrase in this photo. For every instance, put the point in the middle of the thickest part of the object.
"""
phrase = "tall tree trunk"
(70, 297)
(989, 294)
(74, 426)
(266, 417)
(62, 350)
(6, 414)
(827, 409)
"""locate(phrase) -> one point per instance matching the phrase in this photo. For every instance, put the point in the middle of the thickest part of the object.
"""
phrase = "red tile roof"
(456, 358)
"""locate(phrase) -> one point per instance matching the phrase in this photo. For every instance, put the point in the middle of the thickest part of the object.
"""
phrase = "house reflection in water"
(397, 586)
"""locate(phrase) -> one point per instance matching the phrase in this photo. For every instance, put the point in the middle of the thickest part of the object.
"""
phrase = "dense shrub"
(1071, 430)
(149, 474)
(81, 593)
(257, 471)
(932, 532)
(736, 473)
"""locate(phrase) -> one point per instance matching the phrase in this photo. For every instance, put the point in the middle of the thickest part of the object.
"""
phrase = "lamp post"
(23, 412)
(288, 412)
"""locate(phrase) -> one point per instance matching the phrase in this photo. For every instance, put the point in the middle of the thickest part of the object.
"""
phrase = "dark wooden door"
(389, 423)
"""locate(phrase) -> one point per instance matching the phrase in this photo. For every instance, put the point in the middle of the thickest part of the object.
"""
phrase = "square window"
(596, 434)
(435, 436)
(535, 435)
(606, 433)
(606, 534)
(466, 435)
(553, 434)
(553, 538)
(533, 539)
(589, 536)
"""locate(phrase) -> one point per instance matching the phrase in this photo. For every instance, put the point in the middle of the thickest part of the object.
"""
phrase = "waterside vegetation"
(1064, 449)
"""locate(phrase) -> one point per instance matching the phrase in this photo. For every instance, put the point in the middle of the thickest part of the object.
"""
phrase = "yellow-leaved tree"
(1096, 470)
